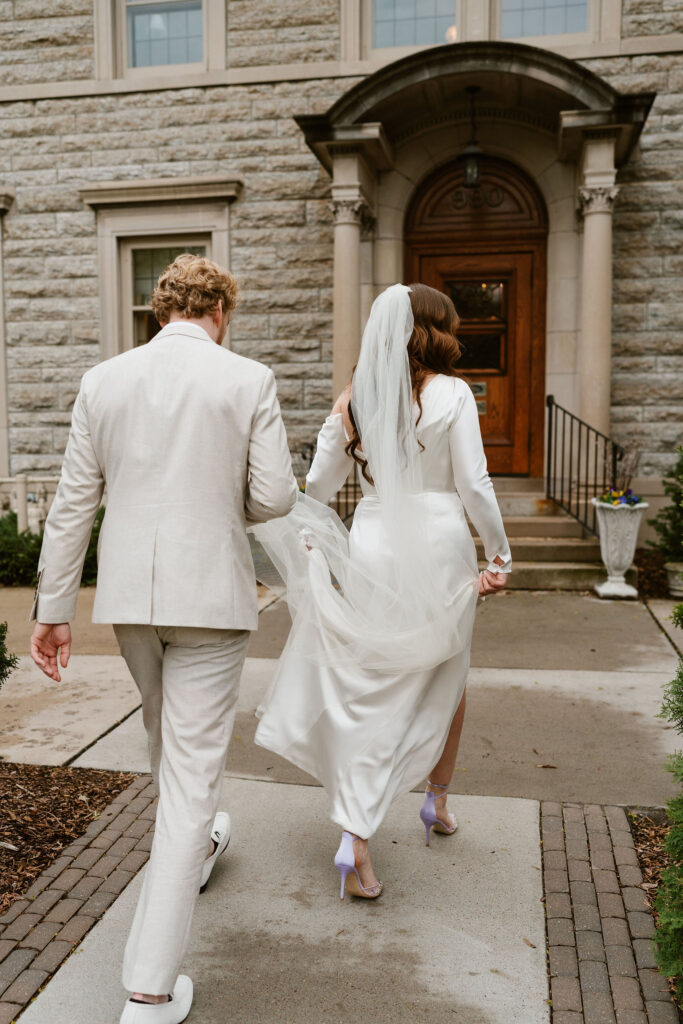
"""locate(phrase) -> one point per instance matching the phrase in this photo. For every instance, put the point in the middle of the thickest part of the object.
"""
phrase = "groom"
(189, 440)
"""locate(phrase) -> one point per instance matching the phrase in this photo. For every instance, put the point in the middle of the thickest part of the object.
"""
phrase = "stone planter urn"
(618, 526)
(674, 572)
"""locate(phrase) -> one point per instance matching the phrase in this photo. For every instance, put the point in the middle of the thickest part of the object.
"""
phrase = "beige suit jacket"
(188, 439)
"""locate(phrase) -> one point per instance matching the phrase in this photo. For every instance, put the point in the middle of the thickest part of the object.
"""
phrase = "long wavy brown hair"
(433, 348)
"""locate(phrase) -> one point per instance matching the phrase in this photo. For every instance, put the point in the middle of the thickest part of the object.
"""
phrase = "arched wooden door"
(486, 248)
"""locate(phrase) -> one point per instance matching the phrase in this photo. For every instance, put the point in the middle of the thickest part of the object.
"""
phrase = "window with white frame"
(529, 18)
(391, 29)
(138, 238)
(160, 32)
(142, 261)
(152, 38)
(401, 23)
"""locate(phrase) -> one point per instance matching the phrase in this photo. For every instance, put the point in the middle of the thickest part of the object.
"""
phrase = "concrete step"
(527, 503)
(540, 526)
(518, 484)
(550, 549)
(560, 575)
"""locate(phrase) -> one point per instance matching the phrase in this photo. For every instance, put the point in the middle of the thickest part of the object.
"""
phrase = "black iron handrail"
(581, 463)
(348, 497)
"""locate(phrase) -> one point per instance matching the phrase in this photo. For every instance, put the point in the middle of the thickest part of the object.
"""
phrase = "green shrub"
(672, 705)
(669, 935)
(668, 523)
(669, 901)
(8, 662)
(19, 553)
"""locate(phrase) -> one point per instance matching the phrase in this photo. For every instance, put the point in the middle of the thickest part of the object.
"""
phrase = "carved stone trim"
(367, 224)
(349, 211)
(154, 190)
(345, 148)
(485, 115)
(597, 198)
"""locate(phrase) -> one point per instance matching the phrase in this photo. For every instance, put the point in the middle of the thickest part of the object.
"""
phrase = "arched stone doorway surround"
(564, 126)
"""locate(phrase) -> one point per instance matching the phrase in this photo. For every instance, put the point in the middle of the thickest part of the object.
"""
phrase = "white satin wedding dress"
(365, 733)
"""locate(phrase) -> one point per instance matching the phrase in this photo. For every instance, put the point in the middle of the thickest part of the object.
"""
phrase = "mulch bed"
(649, 837)
(44, 809)
(652, 580)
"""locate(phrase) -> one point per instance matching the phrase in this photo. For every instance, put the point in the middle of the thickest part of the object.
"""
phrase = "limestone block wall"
(647, 364)
(46, 41)
(651, 17)
(273, 32)
(281, 231)
(280, 239)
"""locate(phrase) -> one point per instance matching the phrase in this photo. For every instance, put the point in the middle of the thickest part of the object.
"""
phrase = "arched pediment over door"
(410, 118)
(485, 247)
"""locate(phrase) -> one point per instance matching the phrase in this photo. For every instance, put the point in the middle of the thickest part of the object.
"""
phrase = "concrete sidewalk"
(458, 935)
(557, 679)
(562, 704)
(591, 727)
(44, 722)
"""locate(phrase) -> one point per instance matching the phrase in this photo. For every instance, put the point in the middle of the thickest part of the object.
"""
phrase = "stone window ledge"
(151, 190)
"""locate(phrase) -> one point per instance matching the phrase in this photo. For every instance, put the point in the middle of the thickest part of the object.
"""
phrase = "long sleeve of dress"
(473, 482)
(331, 464)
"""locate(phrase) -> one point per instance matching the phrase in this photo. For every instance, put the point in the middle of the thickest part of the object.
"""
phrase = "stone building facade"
(313, 160)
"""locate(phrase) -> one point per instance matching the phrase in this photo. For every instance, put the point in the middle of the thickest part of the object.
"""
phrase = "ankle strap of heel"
(437, 785)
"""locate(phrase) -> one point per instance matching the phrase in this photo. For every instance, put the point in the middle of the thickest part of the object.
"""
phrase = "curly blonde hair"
(193, 286)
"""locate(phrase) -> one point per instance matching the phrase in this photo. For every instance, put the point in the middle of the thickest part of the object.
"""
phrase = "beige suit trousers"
(188, 679)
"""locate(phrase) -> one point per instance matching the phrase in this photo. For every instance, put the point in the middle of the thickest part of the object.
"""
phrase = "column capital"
(353, 211)
(347, 211)
(350, 211)
(597, 198)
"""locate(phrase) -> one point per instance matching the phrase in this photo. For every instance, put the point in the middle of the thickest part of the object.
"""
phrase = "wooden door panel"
(492, 295)
(495, 233)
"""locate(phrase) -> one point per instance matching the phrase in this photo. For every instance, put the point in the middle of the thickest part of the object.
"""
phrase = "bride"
(369, 694)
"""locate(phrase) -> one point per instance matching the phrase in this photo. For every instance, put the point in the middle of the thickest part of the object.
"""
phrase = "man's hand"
(490, 582)
(47, 639)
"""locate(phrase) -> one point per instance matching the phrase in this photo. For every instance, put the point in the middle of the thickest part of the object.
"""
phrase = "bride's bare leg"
(442, 771)
(361, 850)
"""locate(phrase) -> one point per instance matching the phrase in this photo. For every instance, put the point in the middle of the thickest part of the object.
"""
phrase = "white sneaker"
(220, 834)
(172, 1012)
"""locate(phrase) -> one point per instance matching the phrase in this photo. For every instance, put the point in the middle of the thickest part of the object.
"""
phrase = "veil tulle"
(342, 613)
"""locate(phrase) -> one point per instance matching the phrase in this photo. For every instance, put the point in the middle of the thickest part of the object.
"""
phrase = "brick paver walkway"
(599, 922)
(600, 960)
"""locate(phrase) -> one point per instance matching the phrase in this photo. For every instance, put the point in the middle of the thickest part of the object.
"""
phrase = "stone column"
(352, 184)
(6, 200)
(350, 215)
(596, 197)
(596, 305)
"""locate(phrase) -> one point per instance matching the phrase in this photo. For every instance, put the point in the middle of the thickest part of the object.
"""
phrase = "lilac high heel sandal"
(430, 818)
(345, 863)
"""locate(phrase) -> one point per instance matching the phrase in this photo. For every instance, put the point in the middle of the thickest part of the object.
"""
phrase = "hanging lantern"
(472, 154)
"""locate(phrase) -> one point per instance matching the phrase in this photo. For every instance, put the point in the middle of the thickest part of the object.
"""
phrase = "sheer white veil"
(344, 611)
